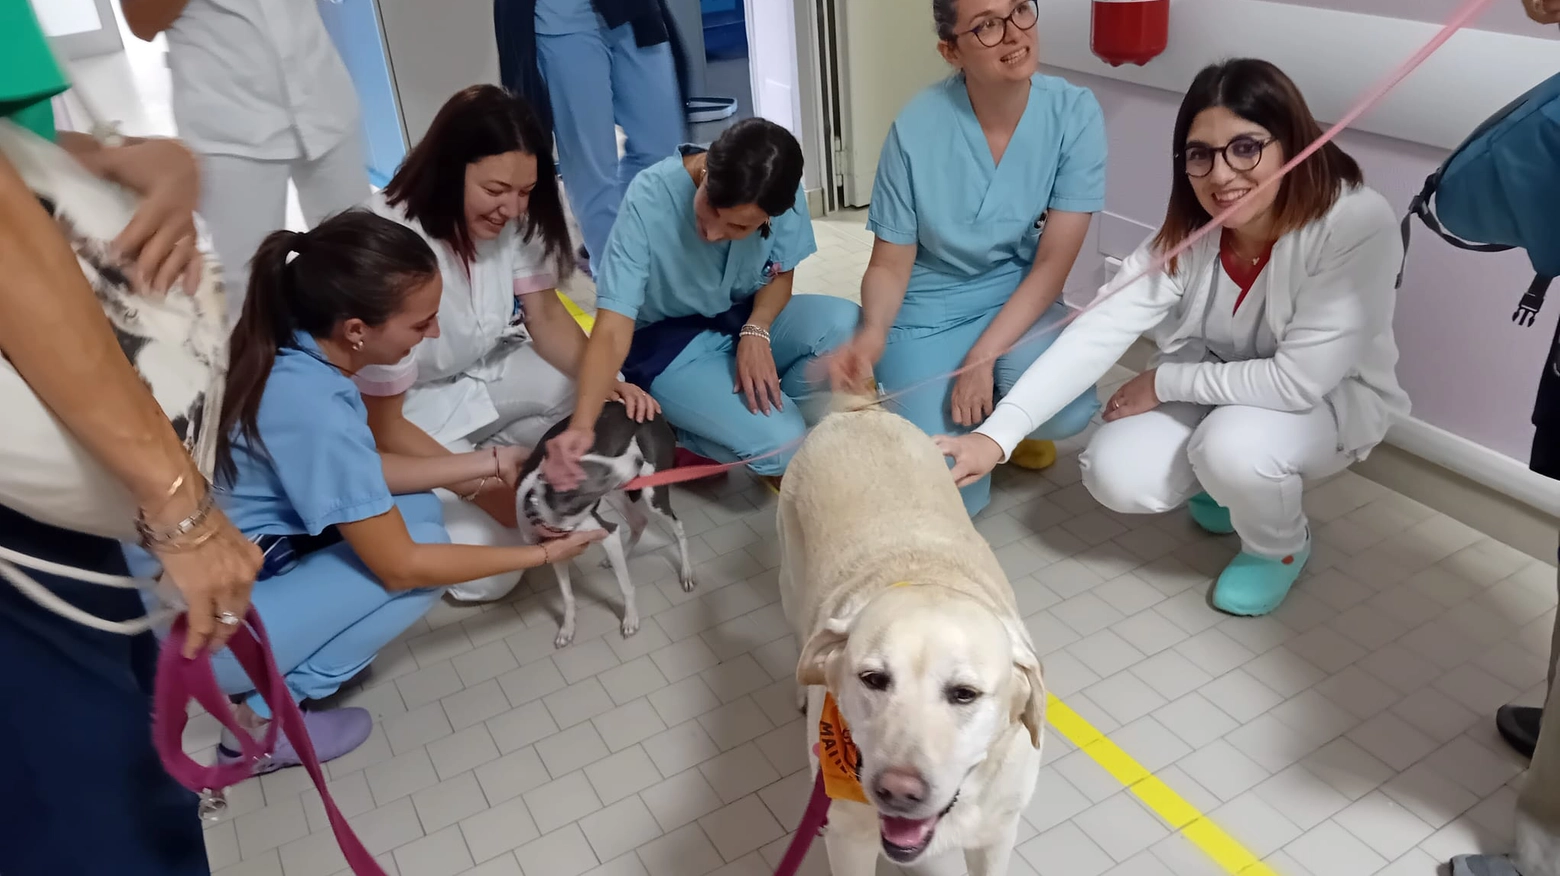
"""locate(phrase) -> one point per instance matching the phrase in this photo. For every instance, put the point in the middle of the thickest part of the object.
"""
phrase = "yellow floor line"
(586, 321)
(1224, 849)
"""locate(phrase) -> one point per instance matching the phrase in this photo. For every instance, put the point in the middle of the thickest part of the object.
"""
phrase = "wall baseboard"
(1478, 463)
(815, 203)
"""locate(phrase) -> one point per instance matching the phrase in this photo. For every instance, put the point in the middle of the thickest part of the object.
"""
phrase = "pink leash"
(180, 679)
(1458, 21)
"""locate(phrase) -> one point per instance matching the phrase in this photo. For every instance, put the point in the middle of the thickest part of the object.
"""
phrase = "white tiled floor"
(1349, 733)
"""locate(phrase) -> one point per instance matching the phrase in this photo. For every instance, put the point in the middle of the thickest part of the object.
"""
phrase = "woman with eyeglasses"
(1276, 359)
(984, 193)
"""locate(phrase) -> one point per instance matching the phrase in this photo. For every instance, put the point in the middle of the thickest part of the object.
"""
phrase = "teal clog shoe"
(1252, 586)
(1210, 515)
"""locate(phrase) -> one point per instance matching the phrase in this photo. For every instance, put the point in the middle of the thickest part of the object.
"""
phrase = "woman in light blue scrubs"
(354, 540)
(602, 64)
(984, 193)
(694, 302)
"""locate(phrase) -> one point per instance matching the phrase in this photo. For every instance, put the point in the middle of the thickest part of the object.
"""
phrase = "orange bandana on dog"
(838, 756)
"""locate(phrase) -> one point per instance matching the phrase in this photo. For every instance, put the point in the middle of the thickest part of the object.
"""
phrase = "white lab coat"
(457, 383)
(258, 79)
(1330, 299)
(481, 378)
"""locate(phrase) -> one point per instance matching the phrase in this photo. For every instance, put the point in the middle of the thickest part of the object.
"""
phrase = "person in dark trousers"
(84, 791)
(1537, 846)
(588, 67)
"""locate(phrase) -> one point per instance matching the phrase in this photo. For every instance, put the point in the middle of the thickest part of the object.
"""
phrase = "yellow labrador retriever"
(911, 640)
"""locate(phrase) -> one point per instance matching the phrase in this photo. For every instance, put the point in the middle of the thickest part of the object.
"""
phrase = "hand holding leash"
(205, 557)
(850, 366)
(214, 578)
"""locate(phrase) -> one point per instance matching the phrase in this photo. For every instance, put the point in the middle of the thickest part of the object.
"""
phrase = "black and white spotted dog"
(624, 450)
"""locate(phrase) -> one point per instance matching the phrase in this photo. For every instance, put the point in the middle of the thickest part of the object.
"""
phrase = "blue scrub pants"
(328, 617)
(596, 80)
(82, 791)
(712, 421)
(915, 354)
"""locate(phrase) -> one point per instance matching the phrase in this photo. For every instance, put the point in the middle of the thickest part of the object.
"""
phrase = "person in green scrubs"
(83, 790)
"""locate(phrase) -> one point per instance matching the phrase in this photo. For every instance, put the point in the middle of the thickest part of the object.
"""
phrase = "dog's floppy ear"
(1029, 695)
(813, 666)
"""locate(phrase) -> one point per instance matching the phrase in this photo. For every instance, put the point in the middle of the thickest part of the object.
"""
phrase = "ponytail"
(354, 265)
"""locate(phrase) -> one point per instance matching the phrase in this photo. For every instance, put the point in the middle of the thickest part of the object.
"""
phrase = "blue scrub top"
(974, 222)
(320, 465)
(557, 17)
(657, 266)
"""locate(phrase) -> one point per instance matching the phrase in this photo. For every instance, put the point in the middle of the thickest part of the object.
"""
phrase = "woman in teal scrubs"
(694, 303)
(983, 197)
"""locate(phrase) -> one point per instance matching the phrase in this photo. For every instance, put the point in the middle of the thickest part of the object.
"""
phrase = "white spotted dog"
(624, 450)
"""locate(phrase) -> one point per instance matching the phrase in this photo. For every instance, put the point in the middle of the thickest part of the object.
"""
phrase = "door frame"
(814, 97)
(826, 96)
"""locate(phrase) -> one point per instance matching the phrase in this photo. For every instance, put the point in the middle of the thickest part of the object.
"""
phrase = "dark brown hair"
(476, 123)
(756, 162)
(945, 14)
(1260, 93)
(353, 265)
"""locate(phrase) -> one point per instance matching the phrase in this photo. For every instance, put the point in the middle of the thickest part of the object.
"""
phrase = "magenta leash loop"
(180, 679)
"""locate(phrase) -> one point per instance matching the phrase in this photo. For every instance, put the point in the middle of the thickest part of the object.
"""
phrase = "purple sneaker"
(335, 732)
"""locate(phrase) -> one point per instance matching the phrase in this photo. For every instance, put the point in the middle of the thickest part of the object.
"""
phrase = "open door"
(885, 52)
(772, 62)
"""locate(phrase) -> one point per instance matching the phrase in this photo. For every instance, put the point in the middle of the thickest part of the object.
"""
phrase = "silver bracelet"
(752, 331)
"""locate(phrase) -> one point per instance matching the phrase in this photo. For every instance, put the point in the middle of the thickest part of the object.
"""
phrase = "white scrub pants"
(245, 199)
(531, 396)
(1250, 460)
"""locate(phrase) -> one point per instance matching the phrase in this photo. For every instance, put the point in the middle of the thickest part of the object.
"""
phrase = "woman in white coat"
(481, 189)
(1276, 359)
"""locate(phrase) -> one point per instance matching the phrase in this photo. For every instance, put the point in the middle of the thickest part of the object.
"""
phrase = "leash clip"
(213, 804)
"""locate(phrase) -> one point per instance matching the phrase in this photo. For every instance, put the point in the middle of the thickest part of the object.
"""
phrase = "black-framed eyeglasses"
(991, 32)
(1241, 154)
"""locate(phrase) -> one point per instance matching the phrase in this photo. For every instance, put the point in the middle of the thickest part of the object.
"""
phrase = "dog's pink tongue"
(907, 833)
